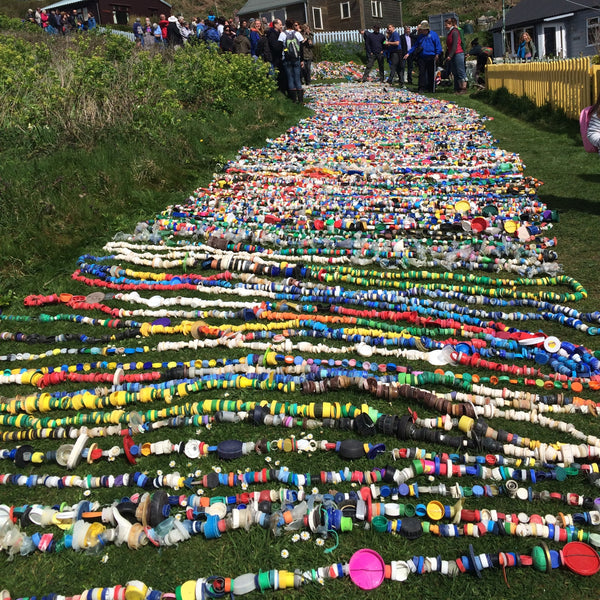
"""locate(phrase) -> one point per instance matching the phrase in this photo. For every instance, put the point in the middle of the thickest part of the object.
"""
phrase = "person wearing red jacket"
(163, 24)
(455, 56)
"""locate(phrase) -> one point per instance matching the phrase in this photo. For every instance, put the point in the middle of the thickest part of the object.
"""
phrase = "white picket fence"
(128, 34)
(321, 37)
(328, 37)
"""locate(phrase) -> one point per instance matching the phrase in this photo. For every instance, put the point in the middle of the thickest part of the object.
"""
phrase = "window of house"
(376, 10)
(120, 15)
(593, 31)
(345, 10)
(317, 17)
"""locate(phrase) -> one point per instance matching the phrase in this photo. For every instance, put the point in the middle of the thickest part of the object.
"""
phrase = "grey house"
(559, 28)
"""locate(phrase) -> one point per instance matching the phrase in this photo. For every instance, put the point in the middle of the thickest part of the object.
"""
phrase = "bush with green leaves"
(202, 76)
(75, 89)
(10, 24)
(342, 52)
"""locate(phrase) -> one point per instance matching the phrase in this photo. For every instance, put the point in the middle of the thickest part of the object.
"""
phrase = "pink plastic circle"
(367, 569)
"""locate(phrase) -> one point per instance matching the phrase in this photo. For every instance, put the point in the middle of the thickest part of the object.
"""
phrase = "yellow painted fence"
(570, 84)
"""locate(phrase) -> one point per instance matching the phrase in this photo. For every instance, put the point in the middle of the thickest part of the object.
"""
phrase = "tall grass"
(95, 134)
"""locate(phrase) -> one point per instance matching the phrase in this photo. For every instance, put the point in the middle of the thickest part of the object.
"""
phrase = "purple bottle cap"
(164, 321)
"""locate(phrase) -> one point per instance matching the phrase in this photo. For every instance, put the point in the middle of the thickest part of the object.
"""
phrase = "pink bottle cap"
(367, 569)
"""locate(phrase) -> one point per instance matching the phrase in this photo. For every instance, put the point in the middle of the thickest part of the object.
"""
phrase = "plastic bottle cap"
(552, 344)
(135, 590)
(479, 224)
(581, 558)
(366, 569)
(435, 510)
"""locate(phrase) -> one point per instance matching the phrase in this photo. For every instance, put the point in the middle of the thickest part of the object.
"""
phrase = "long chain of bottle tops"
(366, 569)
(341, 255)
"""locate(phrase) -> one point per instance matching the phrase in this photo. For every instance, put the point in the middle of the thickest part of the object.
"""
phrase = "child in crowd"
(593, 128)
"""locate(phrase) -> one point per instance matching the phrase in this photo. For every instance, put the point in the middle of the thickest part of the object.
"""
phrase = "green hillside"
(413, 10)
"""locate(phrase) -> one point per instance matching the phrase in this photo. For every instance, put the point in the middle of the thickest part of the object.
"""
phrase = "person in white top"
(292, 58)
(593, 130)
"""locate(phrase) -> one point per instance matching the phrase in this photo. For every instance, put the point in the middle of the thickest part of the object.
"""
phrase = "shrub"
(95, 133)
(203, 76)
(10, 24)
(343, 52)
(73, 90)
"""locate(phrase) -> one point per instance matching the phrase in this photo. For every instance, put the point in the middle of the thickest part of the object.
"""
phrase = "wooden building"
(328, 15)
(558, 28)
(113, 12)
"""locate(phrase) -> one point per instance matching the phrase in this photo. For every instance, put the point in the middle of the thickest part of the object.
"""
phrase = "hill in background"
(413, 10)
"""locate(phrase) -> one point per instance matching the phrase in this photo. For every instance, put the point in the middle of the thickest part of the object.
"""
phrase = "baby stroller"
(441, 78)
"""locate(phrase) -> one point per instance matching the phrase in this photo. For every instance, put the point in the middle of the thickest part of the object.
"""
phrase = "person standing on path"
(455, 55)
(307, 52)
(374, 46)
(276, 53)
(427, 49)
(410, 41)
(292, 40)
(174, 37)
(393, 46)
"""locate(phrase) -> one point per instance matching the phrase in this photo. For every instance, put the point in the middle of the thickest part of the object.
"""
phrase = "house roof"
(256, 6)
(62, 3)
(534, 11)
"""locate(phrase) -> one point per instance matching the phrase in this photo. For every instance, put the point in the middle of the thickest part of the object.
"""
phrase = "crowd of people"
(422, 47)
(61, 22)
(289, 50)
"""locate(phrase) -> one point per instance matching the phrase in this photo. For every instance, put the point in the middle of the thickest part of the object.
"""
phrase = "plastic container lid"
(479, 224)
(366, 569)
(411, 528)
(462, 206)
(351, 449)
(229, 449)
(552, 344)
(581, 558)
(435, 510)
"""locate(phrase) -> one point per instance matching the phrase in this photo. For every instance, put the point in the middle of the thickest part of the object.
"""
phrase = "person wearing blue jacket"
(427, 50)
